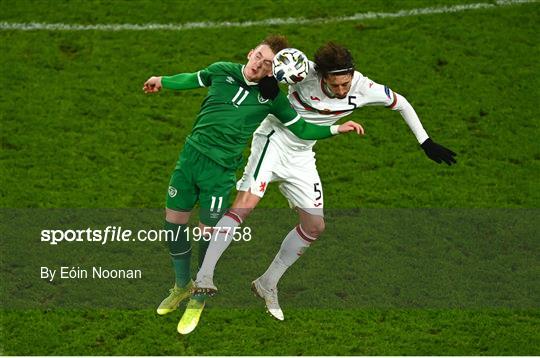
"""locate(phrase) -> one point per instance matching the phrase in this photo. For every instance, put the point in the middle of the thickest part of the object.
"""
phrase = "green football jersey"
(231, 112)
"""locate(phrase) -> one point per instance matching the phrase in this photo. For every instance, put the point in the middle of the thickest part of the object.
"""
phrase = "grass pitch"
(77, 132)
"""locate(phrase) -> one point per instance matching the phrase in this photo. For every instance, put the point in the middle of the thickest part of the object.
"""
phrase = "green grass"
(77, 132)
(251, 332)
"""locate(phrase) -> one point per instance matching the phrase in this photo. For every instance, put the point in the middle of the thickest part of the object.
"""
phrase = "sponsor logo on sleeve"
(387, 91)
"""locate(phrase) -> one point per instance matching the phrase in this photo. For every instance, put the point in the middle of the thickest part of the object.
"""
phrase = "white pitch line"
(34, 26)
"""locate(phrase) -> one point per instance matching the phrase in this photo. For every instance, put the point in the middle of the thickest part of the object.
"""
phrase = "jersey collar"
(249, 83)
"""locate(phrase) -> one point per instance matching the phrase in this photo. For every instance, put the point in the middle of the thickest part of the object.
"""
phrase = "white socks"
(292, 247)
(221, 239)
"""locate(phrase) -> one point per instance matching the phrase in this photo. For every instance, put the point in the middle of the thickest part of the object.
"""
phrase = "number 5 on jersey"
(318, 194)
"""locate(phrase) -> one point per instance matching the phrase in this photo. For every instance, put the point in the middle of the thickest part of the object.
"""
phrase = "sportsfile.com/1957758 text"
(118, 234)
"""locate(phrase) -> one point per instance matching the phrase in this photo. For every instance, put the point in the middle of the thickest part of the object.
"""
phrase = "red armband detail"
(394, 102)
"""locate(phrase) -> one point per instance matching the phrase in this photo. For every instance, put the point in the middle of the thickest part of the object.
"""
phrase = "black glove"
(268, 86)
(437, 152)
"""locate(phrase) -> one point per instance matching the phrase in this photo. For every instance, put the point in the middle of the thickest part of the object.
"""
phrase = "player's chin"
(254, 75)
(258, 77)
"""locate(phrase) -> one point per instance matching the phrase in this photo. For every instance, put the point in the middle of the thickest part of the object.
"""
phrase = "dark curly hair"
(332, 58)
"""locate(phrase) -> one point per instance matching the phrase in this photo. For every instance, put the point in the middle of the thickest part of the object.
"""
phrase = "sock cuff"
(172, 226)
(233, 216)
(177, 255)
(303, 234)
(178, 242)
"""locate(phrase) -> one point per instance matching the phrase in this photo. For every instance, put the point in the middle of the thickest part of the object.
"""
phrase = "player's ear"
(249, 54)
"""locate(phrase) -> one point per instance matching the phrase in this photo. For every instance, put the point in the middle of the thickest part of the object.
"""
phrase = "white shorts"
(294, 170)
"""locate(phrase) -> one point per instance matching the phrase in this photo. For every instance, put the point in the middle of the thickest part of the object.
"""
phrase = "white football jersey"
(317, 106)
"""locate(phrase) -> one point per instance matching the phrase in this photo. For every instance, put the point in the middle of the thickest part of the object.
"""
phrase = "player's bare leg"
(177, 217)
(180, 252)
(292, 247)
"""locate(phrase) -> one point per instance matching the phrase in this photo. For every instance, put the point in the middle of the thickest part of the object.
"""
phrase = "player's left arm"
(281, 108)
(383, 95)
(434, 151)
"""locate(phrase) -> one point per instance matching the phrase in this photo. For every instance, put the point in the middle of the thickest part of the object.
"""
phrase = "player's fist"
(438, 153)
(269, 88)
(351, 126)
(153, 84)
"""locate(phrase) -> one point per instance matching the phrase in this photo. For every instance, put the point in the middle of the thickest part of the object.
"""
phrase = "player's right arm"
(182, 81)
(304, 130)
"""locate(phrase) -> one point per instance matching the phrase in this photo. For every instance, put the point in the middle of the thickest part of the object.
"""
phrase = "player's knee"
(314, 228)
(242, 213)
(244, 204)
(176, 217)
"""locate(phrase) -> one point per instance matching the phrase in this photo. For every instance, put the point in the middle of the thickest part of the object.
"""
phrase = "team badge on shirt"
(262, 100)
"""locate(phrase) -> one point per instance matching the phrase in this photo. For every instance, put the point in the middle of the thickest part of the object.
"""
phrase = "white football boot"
(270, 297)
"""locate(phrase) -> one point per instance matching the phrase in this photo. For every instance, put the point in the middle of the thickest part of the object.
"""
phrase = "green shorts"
(198, 178)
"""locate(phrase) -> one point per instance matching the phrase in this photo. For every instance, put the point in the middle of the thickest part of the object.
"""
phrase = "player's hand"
(351, 126)
(438, 153)
(269, 88)
(152, 85)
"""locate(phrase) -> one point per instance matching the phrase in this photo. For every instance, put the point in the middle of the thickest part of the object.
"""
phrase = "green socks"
(180, 251)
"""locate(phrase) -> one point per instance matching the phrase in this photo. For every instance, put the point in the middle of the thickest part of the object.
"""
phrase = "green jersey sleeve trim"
(292, 121)
(181, 81)
(200, 79)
